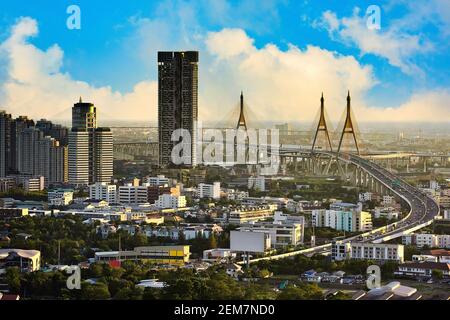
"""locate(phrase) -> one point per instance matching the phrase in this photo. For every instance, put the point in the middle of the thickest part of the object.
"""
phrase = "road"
(423, 209)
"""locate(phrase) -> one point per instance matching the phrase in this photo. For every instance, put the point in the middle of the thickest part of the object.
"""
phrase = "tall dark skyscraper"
(177, 101)
(5, 142)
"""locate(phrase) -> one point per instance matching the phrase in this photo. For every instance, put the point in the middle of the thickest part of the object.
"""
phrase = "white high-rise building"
(103, 155)
(343, 216)
(103, 191)
(79, 156)
(209, 190)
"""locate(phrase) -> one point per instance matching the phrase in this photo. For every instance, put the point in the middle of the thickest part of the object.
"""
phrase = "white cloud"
(398, 47)
(35, 85)
(282, 84)
(279, 85)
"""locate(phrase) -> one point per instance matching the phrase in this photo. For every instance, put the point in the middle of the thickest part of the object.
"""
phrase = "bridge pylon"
(241, 122)
(320, 164)
(348, 127)
(322, 126)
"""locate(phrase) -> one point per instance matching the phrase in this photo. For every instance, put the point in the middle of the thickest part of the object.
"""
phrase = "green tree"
(212, 241)
(98, 291)
(437, 274)
(13, 279)
(302, 292)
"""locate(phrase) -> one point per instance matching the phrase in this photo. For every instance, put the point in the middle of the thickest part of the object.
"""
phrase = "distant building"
(9, 213)
(130, 194)
(90, 147)
(242, 215)
(41, 155)
(29, 183)
(177, 102)
(25, 260)
(211, 191)
(5, 142)
(167, 201)
(426, 239)
(257, 183)
(158, 181)
(7, 184)
(367, 251)
(386, 212)
(60, 197)
(343, 216)
(217, 254)
(281, 234)
(284, 129)
(103, 191)
(166, 255)
(423, 269)
(236, 195)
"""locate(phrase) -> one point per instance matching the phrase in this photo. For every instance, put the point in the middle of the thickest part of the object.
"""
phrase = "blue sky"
(116, 47)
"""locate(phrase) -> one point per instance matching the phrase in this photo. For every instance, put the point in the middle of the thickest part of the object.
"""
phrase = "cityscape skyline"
(225, 150)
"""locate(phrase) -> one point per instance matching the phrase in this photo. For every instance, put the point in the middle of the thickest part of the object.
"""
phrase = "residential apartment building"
(257, 183)
(242, 215)
(211, 191)
(60, 197)
(423, 269)
(131, 194)
(103, 191)
(281, 234)
(343, 216)
(24, 260)
(367, 251)
(426, 239)
(168, 201)
(158, 181)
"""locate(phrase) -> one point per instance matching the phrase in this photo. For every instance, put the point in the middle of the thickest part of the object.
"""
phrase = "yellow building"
(25, 260)
(170, 255)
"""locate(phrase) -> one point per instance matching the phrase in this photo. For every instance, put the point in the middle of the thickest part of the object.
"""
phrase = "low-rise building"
(257, 183)
(386, 212)
(25, 260)
(7, 184)
(218, 254)
(131, 194)
(367, 251)
(343, 216)
(9, 213)
(168, 201)
(236, 195)
(162, 255)
(103, 191)
(60, 197)
(242, 215)
(423, 269)
(211, 191)
(158, 181)
(426, 239)
(281, 234)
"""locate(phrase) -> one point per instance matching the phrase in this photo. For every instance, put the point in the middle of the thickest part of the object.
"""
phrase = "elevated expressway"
(423, 209)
